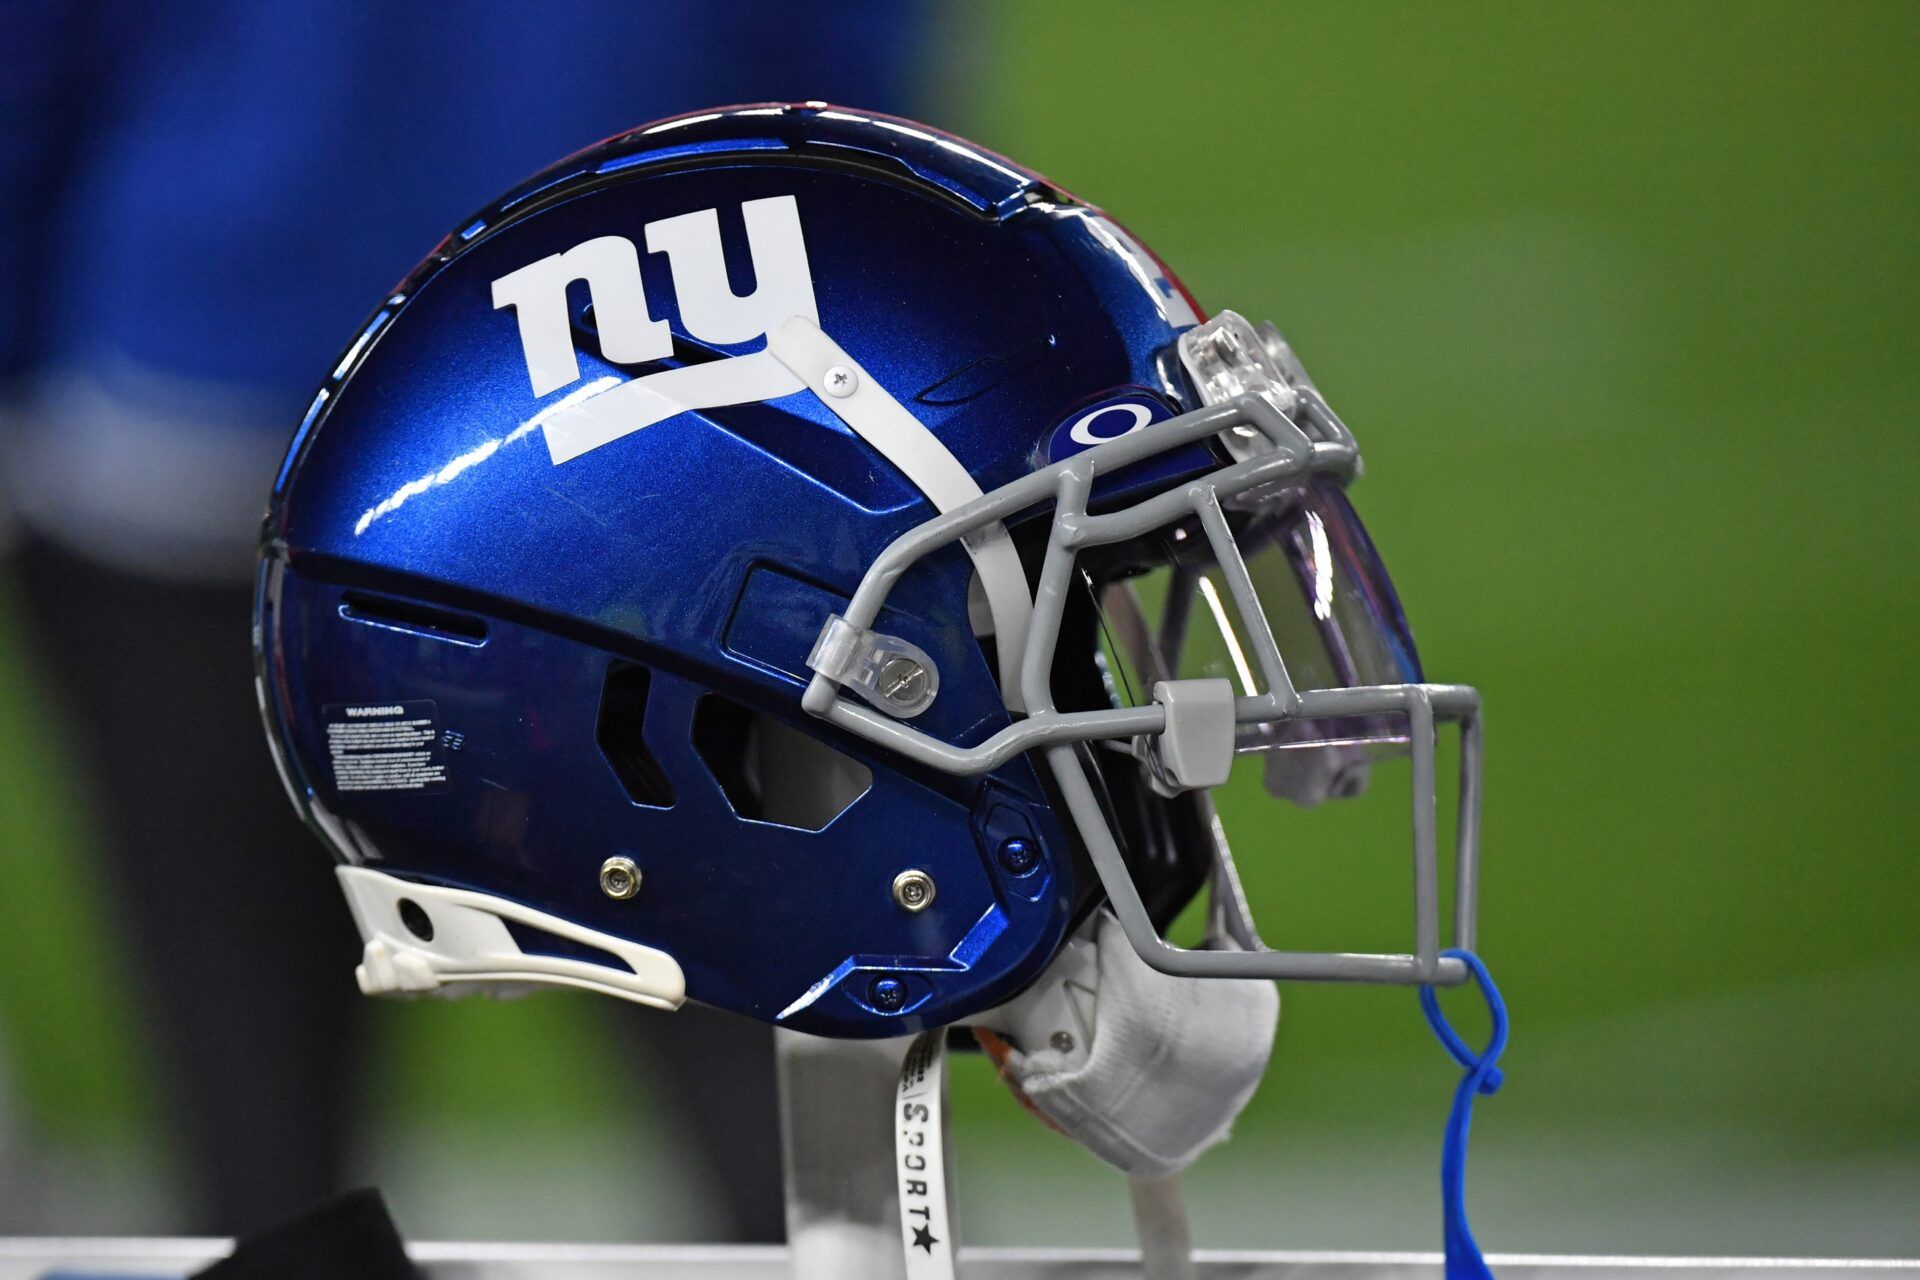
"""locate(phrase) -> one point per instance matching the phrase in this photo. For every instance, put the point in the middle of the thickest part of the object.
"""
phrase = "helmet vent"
(771, 771)
(413, 616)
(623, 712)
(535, 941)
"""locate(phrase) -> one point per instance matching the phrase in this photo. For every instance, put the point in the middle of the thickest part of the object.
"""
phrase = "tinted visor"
(1166, 613)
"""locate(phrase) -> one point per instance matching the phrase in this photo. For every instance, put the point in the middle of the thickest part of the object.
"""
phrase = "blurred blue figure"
(199, 203)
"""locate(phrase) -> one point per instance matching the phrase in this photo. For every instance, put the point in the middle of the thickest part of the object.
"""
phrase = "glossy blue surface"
(709, 548)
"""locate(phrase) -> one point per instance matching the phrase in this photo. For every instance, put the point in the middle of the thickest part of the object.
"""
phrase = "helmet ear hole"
(623, 710)
(770, 771)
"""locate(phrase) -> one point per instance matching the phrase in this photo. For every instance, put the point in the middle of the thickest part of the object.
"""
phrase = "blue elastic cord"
(1463, 1255)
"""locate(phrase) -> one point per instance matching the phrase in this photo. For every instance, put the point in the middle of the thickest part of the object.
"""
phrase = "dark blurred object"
(352, 1236)
(243, 956)
(245, 950)
(198, 204)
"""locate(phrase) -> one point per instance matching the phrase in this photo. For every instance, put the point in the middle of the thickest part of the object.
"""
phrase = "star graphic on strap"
(925, 1239)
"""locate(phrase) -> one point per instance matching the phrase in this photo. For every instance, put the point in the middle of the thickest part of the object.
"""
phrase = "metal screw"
(913, 890)
(619, 878)
(1061, 1041)
(902, 680)
(1018, 857)
(887, 993)
(841, 381)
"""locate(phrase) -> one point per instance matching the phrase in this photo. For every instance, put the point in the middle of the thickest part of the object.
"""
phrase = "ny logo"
(629, 334)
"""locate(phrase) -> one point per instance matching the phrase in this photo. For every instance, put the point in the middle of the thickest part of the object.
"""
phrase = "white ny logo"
(709, 307)
(629, 334)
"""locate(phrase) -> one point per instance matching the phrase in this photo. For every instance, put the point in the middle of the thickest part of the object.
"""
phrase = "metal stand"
(838, 1106)
(836, 1141)
(1160, 1220)
(113, 1259)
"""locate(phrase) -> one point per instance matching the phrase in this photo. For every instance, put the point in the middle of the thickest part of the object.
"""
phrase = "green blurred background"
(1621, 301)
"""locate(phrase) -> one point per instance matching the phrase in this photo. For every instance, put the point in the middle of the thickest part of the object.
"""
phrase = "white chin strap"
(1143, 1069)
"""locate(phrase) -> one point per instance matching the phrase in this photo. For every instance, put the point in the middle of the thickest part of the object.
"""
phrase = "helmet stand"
(837, 1155)
(841, 1171)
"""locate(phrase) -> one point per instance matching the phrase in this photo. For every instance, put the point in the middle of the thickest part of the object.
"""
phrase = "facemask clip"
(1196, 748)
(894, 675)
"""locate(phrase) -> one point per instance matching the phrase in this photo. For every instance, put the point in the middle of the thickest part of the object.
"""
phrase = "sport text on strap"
(920, 1159)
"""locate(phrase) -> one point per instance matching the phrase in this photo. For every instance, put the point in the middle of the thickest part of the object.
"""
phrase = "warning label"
(391, 746)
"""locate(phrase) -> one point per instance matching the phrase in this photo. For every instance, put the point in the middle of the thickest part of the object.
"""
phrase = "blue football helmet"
(794, 559)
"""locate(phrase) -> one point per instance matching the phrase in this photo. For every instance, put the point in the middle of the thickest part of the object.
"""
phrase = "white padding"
(1172, 1062)
(472, 948)
(871, 413)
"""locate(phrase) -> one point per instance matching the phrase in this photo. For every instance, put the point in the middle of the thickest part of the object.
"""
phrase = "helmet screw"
(619, 878)
(887, 993)
(1018, 857)
(1061, 1041)
(841, 382)
(913, 890)
(902, 681)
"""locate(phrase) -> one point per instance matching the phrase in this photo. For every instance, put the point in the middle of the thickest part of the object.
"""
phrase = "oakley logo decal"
(710, 311)
(1109, 420)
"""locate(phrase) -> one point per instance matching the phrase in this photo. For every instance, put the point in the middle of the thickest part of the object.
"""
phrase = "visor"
(1166, 613)
(1242, 613)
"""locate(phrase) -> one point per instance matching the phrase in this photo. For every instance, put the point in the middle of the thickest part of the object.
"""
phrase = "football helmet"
(794, 559)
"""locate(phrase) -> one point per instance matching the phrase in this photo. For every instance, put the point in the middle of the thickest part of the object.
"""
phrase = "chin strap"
(1483, 1076)
(1160, 1221)
(927, 1226)
(920, 1159)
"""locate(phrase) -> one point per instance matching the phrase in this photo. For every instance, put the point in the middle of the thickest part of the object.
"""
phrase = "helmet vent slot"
(413, 616)
(535, 941)
(620, 733)
(773, 772)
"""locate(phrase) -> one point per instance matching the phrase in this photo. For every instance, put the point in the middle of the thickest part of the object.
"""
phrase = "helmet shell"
(423, 549)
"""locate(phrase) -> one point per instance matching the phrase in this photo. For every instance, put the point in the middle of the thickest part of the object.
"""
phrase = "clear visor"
(1166, 613)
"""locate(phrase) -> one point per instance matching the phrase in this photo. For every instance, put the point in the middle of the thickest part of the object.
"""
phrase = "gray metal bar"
(1146, 940)
(1426, 838)
(1037, 730)
(1050, 594)
(1449, 701)
(1466, 863)
(1292, 456)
